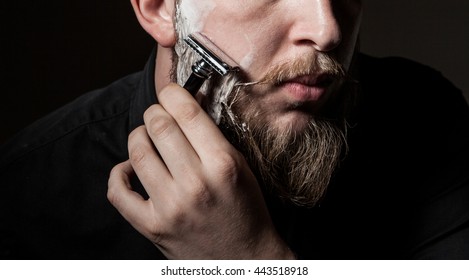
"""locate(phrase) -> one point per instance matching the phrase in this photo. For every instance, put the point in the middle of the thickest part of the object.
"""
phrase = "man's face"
(294, 56)
(263, 34)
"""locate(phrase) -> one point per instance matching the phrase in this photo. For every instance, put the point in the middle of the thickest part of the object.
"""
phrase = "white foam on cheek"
(196, 12)
(248, 58)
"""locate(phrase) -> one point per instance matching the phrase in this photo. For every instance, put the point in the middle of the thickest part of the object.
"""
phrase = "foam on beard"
(217, 90)
(190, 18)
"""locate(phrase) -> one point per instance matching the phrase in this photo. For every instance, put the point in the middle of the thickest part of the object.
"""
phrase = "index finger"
(198, 127)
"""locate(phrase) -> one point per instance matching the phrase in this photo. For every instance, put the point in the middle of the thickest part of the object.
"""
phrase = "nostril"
(328, 39)
(323, 33)
(305, 42)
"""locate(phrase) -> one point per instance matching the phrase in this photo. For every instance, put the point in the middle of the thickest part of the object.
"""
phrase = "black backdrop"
(52, 51)
(55, 50)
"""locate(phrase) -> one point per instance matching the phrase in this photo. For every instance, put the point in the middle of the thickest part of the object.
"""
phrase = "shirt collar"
(145, 93)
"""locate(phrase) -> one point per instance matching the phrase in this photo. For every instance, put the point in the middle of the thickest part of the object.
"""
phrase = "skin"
(204, 201)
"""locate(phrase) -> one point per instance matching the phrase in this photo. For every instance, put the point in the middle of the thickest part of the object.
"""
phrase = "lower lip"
(303, 93)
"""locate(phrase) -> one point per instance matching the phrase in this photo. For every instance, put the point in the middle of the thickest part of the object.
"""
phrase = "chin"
(296, 121)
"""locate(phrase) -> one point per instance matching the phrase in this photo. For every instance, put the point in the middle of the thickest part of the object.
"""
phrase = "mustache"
(312, 64)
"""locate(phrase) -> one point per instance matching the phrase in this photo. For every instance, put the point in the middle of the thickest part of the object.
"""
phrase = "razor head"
(211, 54)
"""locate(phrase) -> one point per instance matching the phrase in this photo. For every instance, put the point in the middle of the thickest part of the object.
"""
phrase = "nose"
(315, 24)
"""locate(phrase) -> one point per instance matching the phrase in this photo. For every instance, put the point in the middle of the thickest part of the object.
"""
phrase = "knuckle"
(175, 216)
(112, 195)
(201, 195)
(151, 112)
(135, 134)
(178, 216)
(137, 155)
(112, 190)
(168, 91)
(156, 233)
(227, 163)
(113, 174)
(159, 127)
(189, 112)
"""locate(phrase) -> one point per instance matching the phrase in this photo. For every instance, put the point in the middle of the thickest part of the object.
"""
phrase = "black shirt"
(401, 193)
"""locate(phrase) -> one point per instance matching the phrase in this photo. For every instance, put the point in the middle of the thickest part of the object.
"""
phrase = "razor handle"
(201, 71)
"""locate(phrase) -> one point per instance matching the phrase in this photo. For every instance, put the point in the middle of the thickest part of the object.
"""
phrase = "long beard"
(295, 165)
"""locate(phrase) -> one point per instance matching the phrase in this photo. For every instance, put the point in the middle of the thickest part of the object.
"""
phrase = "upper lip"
(320, 80)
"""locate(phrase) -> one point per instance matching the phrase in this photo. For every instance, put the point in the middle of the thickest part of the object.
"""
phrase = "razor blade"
(212, 59)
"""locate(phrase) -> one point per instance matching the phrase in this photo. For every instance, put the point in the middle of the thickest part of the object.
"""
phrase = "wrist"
(275, 248)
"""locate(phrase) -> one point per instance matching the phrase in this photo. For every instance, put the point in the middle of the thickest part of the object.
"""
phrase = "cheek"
(244, 39)
(196, 13)
(234, 40)
(228, 33)
(349, 20)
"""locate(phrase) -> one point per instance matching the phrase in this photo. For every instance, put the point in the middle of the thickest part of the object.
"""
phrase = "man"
(312, 150)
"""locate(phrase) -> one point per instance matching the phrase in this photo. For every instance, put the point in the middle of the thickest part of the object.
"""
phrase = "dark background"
(433, 32)
(52, 51)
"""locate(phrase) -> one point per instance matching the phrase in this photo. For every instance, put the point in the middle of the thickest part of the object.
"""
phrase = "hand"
(204, 202)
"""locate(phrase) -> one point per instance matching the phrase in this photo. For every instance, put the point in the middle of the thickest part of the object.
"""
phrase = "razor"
(212, 60)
